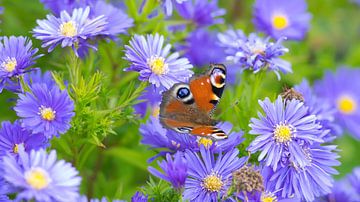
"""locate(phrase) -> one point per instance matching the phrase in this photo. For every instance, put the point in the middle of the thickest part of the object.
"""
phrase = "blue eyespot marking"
(183, 93)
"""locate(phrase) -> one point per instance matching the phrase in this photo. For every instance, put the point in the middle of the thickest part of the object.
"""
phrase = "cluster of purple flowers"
(44, 111)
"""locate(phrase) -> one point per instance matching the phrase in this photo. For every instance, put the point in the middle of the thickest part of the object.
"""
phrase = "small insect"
(187, 107)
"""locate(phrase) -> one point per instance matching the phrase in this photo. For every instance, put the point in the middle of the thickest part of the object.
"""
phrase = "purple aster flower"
(13, 135)
(46, 110)
(283, 130)
(325, 113)
(309, 181)
(69, 30)
(341, 191)
(156, 136)
(201, 12)
(151, 98)
(354, 179)
(175, 170)
(117, 21)
(62, 5)
(148, 57)
(209, 177)
(37, 77)
(168, 5)
(139, 197)
(201, 48)
(341, 90)
(282, 18)
(257, 53)
(16, 56)
(41, 177)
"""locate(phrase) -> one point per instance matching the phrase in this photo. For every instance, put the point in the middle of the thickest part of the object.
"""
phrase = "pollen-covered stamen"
(158, 65)
(212, 183)
(9, 64)
(283, 133)
(16, 148)
(37, 178)
(266, 197)
(258, 47)
(68, 29)
(346, 104)
(280, 21)
(205, 141)
(47, 113)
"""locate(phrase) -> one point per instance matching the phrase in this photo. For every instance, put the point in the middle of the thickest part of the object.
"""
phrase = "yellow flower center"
(9, 65)
(37, 178)
(156, 111)
(212, 183)
(280, 21)
(346, 105)
(158, 65)
(16, 148)
(282, 133)
(47, 113)
(68, 29)
(267, 199)
(205, 141)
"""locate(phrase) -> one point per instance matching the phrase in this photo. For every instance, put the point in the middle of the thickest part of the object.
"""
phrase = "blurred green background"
(120, 168)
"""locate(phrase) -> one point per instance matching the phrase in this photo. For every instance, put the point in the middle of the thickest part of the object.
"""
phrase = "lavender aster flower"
(309, 181)
(139, 197)
(201, 12)
(281, 18)
(69, 30)
(208, 177)
(16, 56)
(201, 48)
(148, 56)
(41, 177)
(45, 110)
(13, 135)
(341, 90)
(158, 137)
(151, 100)
(283, 130)
(354, 179)
(257, 53)
(37, 77)
(341, 191)
(117, 21)
(175, 171)
(325, 113)
(168, 5)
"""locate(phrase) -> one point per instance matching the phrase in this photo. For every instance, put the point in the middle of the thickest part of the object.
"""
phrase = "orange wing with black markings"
(186, 108)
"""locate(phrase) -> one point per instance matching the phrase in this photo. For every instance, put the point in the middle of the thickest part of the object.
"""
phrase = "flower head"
(256, 53)
(168, 5)
(16, 56)
(309, 181)
(139, 197)
(69, 30)
(151, 98)
(201, 12)
(41, 177)
(324, 111)
(13, 135)
(158, 137)
(148, 57)
(175, 170)
(202, 47)
(284, 130)
(209, 177)
(46, 110)
(281, 18)
(341, 90)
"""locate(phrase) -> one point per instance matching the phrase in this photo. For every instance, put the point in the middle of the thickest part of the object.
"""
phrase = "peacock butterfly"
(188, 107)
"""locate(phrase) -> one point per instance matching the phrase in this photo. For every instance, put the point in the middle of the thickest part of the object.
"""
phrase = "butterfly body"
(187, 107)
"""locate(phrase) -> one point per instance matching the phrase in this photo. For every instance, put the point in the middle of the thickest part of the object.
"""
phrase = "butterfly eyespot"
(183, 93)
